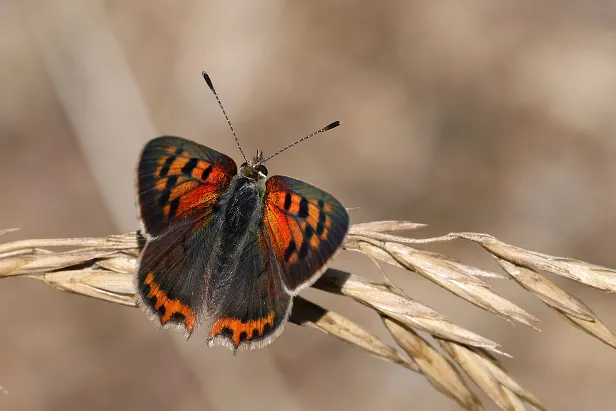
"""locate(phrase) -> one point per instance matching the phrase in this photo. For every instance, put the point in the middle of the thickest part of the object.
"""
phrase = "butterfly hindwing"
(178, 180)
(306, 226)
(179, 184)
(248, 309)
(170, 275)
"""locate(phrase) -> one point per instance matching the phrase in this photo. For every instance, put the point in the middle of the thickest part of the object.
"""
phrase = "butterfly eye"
(261, 169)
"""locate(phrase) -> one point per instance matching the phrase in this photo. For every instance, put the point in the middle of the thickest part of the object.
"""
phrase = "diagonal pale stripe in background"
(110, 118)
(99, 95)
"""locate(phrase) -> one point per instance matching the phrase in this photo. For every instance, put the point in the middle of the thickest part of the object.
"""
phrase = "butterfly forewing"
(179, 180)
(179, 184)
(306, 226)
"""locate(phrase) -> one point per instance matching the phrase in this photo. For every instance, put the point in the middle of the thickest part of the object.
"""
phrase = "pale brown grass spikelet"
(487, 373)
(310, 314)
(103, 268)
(437, 369)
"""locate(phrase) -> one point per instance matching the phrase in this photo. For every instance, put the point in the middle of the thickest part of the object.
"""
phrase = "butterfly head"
(254, 169)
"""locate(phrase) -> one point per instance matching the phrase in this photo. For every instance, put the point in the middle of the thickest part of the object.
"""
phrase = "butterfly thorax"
(239, 218)
(242, 203)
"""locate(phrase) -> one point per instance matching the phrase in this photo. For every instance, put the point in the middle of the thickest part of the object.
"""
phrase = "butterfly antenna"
(327, 127)
(208, 80)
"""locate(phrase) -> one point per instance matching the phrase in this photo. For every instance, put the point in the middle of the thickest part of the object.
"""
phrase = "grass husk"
(426, 342)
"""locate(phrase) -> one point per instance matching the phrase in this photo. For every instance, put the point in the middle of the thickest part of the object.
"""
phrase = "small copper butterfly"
(224, 249)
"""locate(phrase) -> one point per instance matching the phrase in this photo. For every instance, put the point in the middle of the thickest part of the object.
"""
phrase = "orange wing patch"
(171, 306)
(297, 224)
(276, 223)
(239, 331)
(306, 226)
(185, 183)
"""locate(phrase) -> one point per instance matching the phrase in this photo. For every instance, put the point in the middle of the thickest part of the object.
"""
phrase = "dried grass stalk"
(490, 377)
(310, 314)
(103, 268)
(438, 370)
(570, 307)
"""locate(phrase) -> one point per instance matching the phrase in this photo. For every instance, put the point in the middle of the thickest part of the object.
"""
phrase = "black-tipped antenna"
(208, 80)
(327, 127)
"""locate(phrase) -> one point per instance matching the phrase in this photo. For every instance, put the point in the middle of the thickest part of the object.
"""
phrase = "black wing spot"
(164, 197)
(308, 233)
(173, 206)
(145, 288)
(290, 250)
(255, 334)
(165, 168)
(243, 336)
(303, 208)
(321, 223)
(303, 250)
(190, 166)
(161, 311)
(287, 201)
(206, 173)
(177, 318)
(227, 332)
(266, 328)
(171, 182)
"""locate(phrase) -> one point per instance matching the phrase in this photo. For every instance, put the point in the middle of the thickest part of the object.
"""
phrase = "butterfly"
(228, 249)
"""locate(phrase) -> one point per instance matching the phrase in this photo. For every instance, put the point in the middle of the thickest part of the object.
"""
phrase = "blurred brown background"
(484, 116)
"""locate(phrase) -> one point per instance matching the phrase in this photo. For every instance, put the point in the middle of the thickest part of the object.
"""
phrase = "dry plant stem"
(310, 314)
(381, 226)
(526, 261)
(568, 306)
(487, 373)
(399, 307)
(437, 369)
(447, 275)
(103, 268)
(595, 276)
